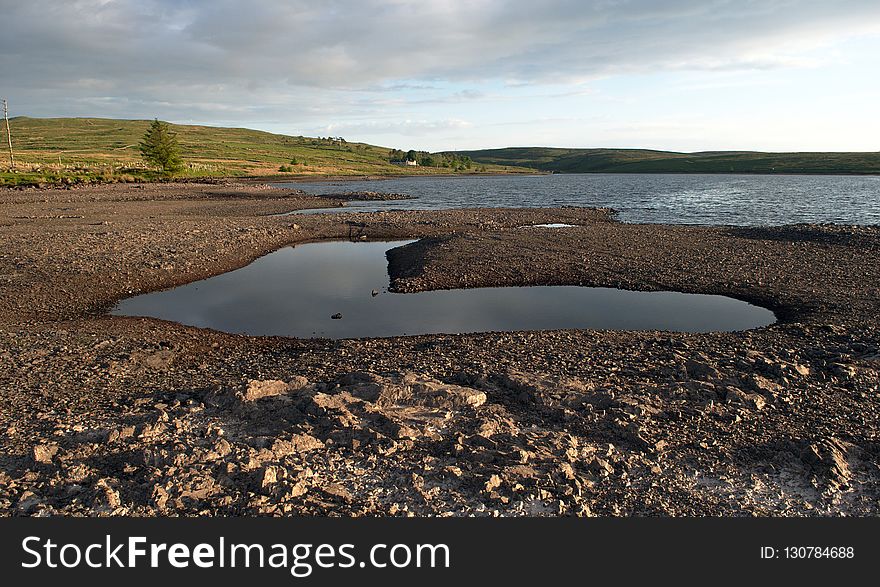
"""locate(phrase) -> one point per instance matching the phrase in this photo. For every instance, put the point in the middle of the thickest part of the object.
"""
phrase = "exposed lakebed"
(297, 291)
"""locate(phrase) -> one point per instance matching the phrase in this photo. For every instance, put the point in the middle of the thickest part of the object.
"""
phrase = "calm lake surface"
(745, 200)
(295, 291)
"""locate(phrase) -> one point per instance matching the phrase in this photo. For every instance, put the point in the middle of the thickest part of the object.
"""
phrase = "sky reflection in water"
(295, 291)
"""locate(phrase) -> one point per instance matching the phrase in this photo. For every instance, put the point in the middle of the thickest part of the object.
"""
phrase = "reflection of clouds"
(295, 291)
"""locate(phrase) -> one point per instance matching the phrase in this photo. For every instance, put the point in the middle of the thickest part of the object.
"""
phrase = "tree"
(159, 147)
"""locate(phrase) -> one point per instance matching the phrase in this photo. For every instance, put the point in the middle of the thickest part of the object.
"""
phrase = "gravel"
(104, 415)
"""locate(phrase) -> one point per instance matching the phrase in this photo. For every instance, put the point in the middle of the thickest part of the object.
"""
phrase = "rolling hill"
(648, 161)
(75, 150)
(72, 150)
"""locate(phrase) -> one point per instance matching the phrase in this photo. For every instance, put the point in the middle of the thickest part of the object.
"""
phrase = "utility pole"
(8, 134)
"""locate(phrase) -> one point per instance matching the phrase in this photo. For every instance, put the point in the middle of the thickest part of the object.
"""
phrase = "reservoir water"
(723, 199)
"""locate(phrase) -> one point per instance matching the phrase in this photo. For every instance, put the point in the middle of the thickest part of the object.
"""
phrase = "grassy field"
(648, 161)
(85, 150)
(77, 150)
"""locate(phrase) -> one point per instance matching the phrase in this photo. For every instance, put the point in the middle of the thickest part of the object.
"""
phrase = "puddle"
(296, 290)
(551, 225)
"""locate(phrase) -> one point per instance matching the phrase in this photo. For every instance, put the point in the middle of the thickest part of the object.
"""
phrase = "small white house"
(409, 162)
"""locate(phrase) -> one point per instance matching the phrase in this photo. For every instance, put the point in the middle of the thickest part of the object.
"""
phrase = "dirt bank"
(105, 415)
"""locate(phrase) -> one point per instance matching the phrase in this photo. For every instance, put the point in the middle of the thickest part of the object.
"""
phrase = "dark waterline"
(723, 199)
(295, 291)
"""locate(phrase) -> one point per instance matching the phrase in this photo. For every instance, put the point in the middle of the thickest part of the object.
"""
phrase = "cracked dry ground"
(104, 415)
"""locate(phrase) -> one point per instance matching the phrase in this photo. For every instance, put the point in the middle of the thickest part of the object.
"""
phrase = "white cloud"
(316, 63)
(402, 127)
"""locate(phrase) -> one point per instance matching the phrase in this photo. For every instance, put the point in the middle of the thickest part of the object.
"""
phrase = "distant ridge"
(561, 160)
(85, 150)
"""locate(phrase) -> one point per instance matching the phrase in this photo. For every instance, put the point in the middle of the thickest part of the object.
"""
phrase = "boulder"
(700, 368)
(258, 388)
(827, 459)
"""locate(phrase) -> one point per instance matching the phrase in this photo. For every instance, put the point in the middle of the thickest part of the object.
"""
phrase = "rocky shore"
(104, 415)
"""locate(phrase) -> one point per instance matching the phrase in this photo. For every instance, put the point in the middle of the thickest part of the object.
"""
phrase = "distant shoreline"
(324, 178)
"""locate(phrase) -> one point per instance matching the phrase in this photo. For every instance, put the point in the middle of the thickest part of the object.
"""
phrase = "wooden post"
(8, 134)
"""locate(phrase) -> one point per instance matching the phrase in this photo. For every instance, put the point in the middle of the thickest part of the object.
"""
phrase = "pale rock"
(260, 388)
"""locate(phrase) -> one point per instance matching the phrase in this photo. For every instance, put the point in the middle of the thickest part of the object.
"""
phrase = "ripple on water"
(721, 199)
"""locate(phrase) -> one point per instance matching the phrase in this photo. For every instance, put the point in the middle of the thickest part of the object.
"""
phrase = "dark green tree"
(159, 147)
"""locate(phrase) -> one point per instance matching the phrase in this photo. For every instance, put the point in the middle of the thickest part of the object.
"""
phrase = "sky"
(682, 75)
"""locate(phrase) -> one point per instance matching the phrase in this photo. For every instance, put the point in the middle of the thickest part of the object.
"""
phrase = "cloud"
(333, 43)
(402, 127)
(317, 61)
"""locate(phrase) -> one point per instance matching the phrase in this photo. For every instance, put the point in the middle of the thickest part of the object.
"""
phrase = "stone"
(337, 490)
(160, 497)
(600, 467)
(298, 443)
(827, 459)
(221, 448)
(270, 476)
(107, 495)
(28, 502)
(337, 316)
(121, 433)
(567, 471)
(842, 371)
(299, 489)
(801, 370)
(44, 453)
(493, 483)
(700, 369)
(258, 389)
(432, 393)
(763, 385)
(737, 396)
(297, 382)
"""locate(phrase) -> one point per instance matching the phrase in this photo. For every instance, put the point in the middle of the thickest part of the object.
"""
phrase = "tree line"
(426, 159)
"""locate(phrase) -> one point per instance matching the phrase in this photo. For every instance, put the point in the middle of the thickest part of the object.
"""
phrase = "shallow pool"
(296, 291)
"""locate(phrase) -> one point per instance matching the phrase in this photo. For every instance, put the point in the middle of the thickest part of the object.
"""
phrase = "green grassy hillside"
(648, 161)
(73, 150)
(69, 150)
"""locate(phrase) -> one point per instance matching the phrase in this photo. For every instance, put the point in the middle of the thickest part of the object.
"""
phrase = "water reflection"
(295, 291)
